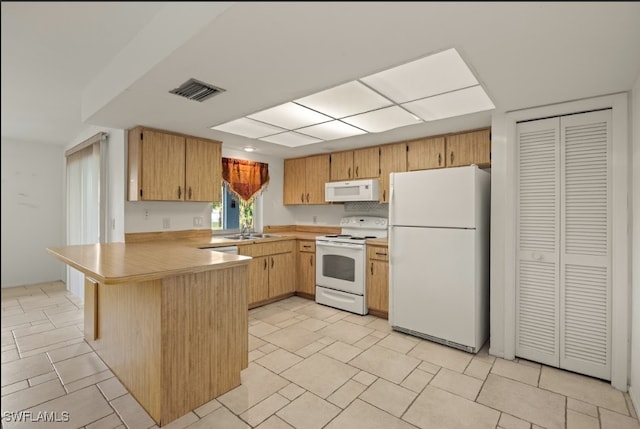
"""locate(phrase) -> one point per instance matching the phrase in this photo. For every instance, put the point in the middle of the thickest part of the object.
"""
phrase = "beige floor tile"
(310, 349)
(291, 391)
(456, 383)
(182, 422)
(33, 329)
(112, 388)
(278, 360)
(308, 412)
(268, 348)
(82, 407)
(69, 351)
(287, 322)
(320, 374)
(417, 380)
(66, 318)
(398, 342)
(263, 410)
(14, 387)
(582, 407)
(26, 398)
(346, 332)
(23, 369)
(584, 388)
(292, 338)
(389, 397)
(49, 347)
(10, 355)
(510, 422)
(318, 311)
(258, 383)
(478, 369)
(89, 380)
(327, 340)
(365, 378)
(312, 324)
(429, 367)
(516, 371)
(385, 363)
(274, 314)
(7, 338)
(110, 422)
(381, 325)
(220, 419)
(529, 403)
(341, 351)
(33, 381)
(274, 422)
(43, 339)
(367, 342)
(131, 412)
(339, 316)
(207, 408)
(442, 355)
(360, 320)
(379, 334)
(346, 393)
(255, 355)
(255, 342)
(577, 420)
(362, 415)
(261, 329)
(435, 408)
(613, 420)
(78, 367)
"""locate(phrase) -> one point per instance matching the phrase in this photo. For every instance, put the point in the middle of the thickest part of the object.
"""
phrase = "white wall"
(634, 390)
(32, 212)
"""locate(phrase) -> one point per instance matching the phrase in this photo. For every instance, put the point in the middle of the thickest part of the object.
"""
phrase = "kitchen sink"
(250, 236)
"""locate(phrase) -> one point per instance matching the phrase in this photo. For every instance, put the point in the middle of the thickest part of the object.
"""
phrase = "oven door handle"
(339, 245)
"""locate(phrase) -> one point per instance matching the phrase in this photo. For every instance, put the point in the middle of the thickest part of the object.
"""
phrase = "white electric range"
(341, 263)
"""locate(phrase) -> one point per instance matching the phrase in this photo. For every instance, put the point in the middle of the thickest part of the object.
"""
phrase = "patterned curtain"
(245, 178)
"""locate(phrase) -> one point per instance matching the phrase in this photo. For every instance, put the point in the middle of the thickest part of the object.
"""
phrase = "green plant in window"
(246, 213)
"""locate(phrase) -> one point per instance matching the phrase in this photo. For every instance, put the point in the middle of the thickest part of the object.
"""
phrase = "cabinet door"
(378, 286)
(294, 190)
(482, 148)
(469, 148)
(342, 166)
(162, 167)
(366, 163)
(306, 273)
(425, 154)
(258, 280)
(393, 159)
(203, 170)
(281, 274)
(317, 174)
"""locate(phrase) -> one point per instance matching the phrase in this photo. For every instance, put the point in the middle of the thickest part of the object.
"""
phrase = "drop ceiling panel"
(456, 103)
(383, 119)
(291, 139)
(248, 128)
(331, 130)
(290, 116)
(345, 100)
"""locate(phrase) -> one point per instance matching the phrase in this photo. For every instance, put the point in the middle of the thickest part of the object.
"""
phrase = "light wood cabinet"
(306, 269)
(304, 180)
(165, 166)
(90, 309)
(355, 164)
(271, 272)
(393, 159)
(469, 148)
(425, 154)
(378, 280)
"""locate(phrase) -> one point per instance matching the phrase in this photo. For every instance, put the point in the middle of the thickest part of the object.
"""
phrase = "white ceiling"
(69, 65)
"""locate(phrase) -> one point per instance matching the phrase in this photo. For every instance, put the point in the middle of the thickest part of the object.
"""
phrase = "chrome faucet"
(245, 231)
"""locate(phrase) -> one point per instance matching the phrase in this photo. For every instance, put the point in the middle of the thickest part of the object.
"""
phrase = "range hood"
(353, 190)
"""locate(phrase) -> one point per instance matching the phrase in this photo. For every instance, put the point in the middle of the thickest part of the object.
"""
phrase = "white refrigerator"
(439, 255)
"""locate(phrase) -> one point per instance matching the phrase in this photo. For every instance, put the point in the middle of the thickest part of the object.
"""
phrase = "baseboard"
(634, 394)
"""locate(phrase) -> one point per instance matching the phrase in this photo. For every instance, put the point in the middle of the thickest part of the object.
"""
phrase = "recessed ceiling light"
(456, 103)
(436, 74)
(383, 119)
(345, 100)
(249, 149)
(291, 139)
(332, 130)
(290, 116)
(248, 128)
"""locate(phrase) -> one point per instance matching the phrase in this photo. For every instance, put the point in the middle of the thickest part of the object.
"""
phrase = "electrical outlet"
(315, 219)
(166, 222)
(146, 214)
(197, 221)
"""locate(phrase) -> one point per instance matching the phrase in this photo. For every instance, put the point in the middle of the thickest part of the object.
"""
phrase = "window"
(231, 213)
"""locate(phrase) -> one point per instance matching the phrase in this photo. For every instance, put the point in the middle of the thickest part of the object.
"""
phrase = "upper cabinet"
(469, 148)
(165, 166)
(424, 154)
(304, 180)
(355, 164)
(393, 159)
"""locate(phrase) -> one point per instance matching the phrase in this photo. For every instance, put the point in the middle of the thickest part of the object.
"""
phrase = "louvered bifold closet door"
(538, 239)
(585, 270)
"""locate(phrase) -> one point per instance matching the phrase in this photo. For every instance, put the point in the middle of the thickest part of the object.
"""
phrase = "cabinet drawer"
(272, 248)
(306, 246)
(378, 253)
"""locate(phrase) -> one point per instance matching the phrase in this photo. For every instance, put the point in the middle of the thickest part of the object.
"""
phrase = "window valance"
(245, 178)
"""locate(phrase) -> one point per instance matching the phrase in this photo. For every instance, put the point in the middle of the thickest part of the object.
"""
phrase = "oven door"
(341, 266)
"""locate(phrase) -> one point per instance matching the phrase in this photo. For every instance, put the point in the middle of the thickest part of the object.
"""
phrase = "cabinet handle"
(357, 173)
(306, 246)
(307, 197)
(179, 192)
(189, 192)
(265, 264)
(311, 260)
(349, 173)
(384, 195)
(439, 159)
(381, 254)
(452, 157)
(302, 197)
(272, 261)
(372, 268)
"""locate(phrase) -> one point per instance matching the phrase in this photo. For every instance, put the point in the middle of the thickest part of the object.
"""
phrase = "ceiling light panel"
(290, 116)
(383, 119)
(456, 103)
(332, 130)
(291, 139)
(345, 100)
(248, 128)
(436, 74)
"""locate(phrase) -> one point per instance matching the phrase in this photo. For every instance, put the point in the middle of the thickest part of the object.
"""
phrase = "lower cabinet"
(272, 270)
(378, 280)
(306, 269)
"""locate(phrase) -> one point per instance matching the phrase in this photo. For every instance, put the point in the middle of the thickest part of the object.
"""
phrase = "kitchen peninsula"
(169, 320)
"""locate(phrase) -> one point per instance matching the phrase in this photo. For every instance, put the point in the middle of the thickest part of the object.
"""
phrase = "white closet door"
(538, 239)
(585, 269)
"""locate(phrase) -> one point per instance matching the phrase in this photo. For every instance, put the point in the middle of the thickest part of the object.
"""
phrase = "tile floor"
(310, 367)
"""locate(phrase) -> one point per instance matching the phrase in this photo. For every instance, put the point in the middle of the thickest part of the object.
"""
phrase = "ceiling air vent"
(195, 90)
